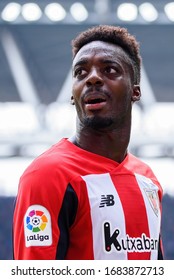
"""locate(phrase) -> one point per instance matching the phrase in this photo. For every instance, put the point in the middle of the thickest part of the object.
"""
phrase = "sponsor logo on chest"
(112, 240)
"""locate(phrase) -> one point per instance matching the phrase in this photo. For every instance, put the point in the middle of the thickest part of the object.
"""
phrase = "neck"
(108, 143)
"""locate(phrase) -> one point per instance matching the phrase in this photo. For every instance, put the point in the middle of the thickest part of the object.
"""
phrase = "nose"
(94, 78)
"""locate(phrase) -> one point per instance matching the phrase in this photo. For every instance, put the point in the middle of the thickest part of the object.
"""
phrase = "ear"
(136, 93)
(72, 100)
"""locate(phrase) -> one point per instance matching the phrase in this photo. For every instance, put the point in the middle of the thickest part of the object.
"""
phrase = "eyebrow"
(85, 61)
(108, 61)
(80, 62)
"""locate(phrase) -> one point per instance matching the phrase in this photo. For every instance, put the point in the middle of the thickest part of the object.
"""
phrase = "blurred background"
(35, 90)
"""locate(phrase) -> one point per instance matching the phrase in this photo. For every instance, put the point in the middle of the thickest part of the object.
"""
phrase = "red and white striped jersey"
(73, 204)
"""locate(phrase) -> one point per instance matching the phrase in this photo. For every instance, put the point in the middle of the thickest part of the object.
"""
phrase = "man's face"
(102, 85)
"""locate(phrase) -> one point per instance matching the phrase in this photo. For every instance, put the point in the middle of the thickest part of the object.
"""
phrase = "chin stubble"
(97, 122)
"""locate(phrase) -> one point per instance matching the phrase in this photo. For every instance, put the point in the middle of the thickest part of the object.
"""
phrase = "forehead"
(100, 48)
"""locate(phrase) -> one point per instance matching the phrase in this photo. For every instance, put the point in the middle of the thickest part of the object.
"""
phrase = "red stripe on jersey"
(135, 213)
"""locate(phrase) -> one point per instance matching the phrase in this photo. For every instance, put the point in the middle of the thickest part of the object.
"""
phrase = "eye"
(79, 72)
(111, 70)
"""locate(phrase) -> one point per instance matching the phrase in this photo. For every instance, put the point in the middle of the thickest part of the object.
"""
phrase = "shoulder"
(50, 167)
(139, 166)
(142, 169)
(55, 156)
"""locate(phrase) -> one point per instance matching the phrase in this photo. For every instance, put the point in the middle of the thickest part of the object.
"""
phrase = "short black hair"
(112, 34)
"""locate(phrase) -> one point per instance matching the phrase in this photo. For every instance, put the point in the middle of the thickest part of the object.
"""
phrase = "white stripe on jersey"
(150, 194)
(100, 188)
(107, 213)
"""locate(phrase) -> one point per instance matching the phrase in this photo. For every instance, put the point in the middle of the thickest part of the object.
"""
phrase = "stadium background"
(35, 90)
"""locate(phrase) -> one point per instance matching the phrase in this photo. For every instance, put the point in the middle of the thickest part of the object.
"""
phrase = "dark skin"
(103, 93)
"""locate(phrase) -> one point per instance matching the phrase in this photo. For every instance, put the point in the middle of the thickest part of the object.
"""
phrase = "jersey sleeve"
(42, 215)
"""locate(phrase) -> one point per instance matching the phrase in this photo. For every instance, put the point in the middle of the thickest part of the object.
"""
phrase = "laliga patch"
(37, 226)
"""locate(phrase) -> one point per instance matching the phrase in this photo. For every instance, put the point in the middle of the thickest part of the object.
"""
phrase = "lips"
(95, 101)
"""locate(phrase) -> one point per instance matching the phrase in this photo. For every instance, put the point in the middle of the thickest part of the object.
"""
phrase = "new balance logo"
(107, 200)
